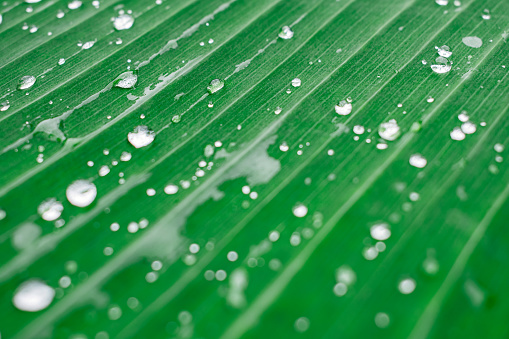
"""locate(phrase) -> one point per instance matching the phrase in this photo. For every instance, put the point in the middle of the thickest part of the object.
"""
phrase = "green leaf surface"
(257, 210)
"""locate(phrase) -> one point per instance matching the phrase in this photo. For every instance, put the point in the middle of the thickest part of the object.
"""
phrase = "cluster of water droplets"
(442, 63)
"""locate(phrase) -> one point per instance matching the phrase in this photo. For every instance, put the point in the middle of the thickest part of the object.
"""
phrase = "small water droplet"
(418, 161)
(296, 82)
(88, 45)
(358, 129)
(389, 130)
(125, 156)
(442, 2)
(457, 134)
(380, 231)
(284, 147)
(33, 295)
(382, 319)
(278, 110)
(442, 65)
(141, 136)
(444, 51)
(26, 82)
(468, 127)
(50, 209)
(215, 85)
(4, 106)
(300, 211)
(343, 108)
(75, 4)
(406, 286)
(81, 193)
(486, 14)
(286, 33)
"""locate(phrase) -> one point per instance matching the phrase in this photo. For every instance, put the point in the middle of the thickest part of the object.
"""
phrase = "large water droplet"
(81, 193)
(442, 2)
(50, 209)
(32, 296)
(472, 41)
(141, 136)
(122, 22)
(296, 82)
(343, 108)
(215, 85)
(26, 82)
(126, 80)
(389, 130)
(286, 33)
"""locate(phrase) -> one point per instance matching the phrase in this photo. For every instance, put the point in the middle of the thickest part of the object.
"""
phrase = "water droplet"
(171, 189)
(104, 170)
(300, 211)
(88, 45)
(343, 108)
(418, 161)
(430, 99)
(296, 82)
(302, 324)
(32, 296)
(60, 14)
(4, 106)
(26, 82)
(468, 127)
(50, 209)
(81, 193)
(61, 61)
(499, 148)
(382, 319)
(442, 65)
(457, 134)
(122, 22)
(278, 110)
(75, 4)
(215, 85)
(486, 15)
(442, 2)
(358, 129)
(444, 51)
(463, 116)
(125, 156)
(380, 231)
(141, 136)
(472, 41)
(286, 33)
(389, 130)
(126, 80)
(284, 147)
(406, 286)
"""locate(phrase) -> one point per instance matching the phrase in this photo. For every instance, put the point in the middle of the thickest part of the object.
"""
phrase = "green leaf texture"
(257, 211)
